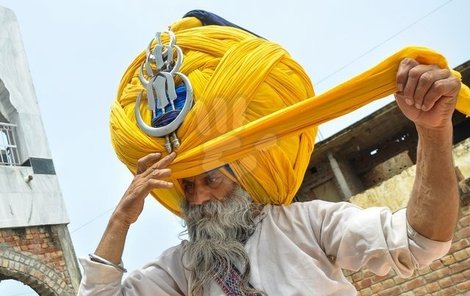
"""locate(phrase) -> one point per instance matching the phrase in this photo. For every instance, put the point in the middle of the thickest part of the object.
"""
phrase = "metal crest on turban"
(168, 102)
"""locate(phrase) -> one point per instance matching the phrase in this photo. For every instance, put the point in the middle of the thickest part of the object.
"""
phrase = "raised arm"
(427, 96)
(103, 272)
(150, 170)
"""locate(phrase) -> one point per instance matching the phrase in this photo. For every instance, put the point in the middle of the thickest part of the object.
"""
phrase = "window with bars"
(8, 148)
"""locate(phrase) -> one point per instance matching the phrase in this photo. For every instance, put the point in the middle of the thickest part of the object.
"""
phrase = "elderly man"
(238, 246)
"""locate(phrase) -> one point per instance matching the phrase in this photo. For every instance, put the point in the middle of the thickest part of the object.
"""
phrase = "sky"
(78, 50)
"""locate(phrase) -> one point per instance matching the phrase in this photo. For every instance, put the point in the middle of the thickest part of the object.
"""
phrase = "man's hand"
(151, 169)
(426, 94)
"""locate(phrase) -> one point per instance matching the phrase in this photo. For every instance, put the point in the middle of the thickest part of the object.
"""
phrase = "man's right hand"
(151, 169)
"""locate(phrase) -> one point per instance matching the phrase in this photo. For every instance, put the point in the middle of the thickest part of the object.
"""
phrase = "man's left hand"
(426, 94)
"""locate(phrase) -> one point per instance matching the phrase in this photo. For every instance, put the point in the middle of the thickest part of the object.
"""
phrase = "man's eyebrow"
(204, 175)
(213, 174)
(189, 179)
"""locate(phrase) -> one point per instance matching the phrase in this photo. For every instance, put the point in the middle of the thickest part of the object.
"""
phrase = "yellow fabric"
(254, 109)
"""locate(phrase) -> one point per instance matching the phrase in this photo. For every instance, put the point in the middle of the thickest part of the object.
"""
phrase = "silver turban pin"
(157, 75)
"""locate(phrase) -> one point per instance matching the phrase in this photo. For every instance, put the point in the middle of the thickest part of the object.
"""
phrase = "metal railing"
(8, 149)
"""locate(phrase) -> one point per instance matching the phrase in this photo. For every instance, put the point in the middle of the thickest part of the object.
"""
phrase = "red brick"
(436, 265)
(457, 278)
(432, 287)
(445, 282)
(461, 255)
(399, 280)
(364, 283)
(463, 232)
(436, 275)
(421, 291)
(446, 292)
(459, 245)
(376, 288)
(424, 270)
(464, 287)
(415, 283)
(31, 245)
(366, 292)
(466, 273)
(37, 241)
(464, 221)
(388, 283)
(390, 292)
(379, 278)
(448, 260)
(357, 276)
(368, 273)
(460, 266)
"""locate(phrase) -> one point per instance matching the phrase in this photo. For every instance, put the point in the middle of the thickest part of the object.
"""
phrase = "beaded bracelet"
(98, 259)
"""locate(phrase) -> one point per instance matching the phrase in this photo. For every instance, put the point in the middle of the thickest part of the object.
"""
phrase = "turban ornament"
(161, 92)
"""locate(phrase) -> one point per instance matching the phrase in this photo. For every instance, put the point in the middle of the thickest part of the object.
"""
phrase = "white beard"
(217, 232)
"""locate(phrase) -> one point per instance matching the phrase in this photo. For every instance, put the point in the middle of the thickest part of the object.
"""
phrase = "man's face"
(212, 185)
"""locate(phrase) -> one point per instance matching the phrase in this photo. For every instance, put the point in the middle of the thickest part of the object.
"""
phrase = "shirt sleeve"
(374, 237)
(163, 276)
(99, 279)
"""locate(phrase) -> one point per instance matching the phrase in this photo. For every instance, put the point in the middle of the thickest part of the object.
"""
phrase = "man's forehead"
(205, 174)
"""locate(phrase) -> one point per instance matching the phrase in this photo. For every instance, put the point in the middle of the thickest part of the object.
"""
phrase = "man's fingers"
(402, 73)
(412, 83)
(146, 161)
(144, 185)
(444, 89)
(160, 164)
(148, 185)
(425, 94)
(165, 161)
(154, 183)
(159, 173)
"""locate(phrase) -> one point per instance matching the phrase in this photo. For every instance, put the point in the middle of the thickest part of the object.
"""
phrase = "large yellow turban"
(254, 110)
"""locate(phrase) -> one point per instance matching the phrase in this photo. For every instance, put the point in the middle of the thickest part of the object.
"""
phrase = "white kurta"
(298, 249)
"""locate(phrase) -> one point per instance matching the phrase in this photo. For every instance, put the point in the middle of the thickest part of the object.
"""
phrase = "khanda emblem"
(168, 102)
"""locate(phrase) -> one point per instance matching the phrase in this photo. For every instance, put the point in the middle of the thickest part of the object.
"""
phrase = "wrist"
(441, 134)
(101, 260)
(118, 221)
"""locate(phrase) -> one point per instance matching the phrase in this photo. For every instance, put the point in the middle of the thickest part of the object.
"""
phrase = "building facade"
(35, 245)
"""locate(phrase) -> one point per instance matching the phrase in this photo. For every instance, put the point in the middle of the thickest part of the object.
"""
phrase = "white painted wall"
(38, 202)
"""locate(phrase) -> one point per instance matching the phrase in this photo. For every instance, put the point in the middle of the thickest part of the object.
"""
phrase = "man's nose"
(201, 195)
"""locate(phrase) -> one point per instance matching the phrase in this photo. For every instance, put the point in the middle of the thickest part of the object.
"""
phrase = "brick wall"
(34, 256)
(445, 277)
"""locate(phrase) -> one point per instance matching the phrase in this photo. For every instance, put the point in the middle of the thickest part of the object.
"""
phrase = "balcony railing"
(8, 148)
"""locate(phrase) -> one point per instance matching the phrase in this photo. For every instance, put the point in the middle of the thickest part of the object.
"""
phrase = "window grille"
(8, 148)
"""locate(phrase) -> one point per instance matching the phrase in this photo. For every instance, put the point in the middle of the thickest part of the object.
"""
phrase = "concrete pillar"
(339, 177)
